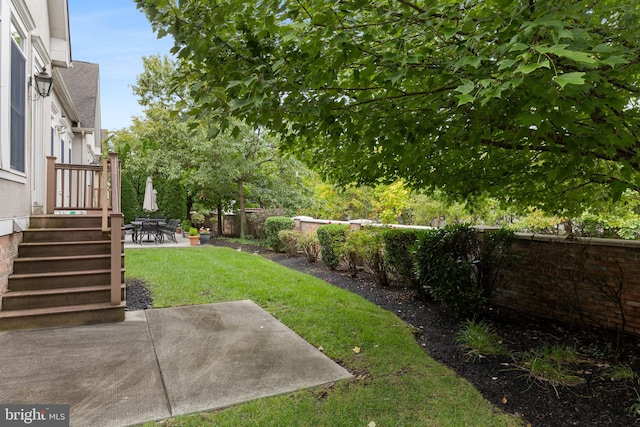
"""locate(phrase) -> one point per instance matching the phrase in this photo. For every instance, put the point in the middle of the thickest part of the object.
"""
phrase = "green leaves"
(529, 68)
(466, 87)
(562, 50)
(473, 61)
(614, 60)
(537, 106)
(575, 78)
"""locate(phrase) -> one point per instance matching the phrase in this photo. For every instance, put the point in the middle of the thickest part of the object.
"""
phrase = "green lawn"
(396, 383)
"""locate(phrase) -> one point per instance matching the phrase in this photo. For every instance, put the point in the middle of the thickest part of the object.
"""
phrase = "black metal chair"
(129, 229)
(148, 230)
(169, 230)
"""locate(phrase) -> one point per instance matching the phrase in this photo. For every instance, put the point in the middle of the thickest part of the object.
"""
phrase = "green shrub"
(331, 238)
(272, 226)
(460, 269)
(444, 265)
(352, 250)
(193, 231)
(309, 244)
(185, 224)
(398, 247)
(289, 240)
(197, 219)
(129, 201)
(368, 244)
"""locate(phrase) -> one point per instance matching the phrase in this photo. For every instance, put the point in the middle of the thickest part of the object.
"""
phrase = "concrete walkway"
(160, 363)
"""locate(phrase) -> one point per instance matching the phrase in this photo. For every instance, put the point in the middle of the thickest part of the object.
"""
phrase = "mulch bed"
(598, 401)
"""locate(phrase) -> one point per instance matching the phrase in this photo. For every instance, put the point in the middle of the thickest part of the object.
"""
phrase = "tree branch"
(412, 6)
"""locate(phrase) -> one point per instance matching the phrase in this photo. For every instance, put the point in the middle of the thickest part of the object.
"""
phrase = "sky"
(115, 35)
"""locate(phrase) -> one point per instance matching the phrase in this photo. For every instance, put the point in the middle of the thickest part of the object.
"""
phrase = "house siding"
(22, 191)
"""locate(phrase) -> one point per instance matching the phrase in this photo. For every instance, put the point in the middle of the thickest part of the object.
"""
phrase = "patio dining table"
(137, 229)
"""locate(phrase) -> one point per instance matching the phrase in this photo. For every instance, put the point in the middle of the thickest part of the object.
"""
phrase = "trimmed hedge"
(399, 244)
(352, 250)
(368, 244)
(445, 260)
(272, 226)
(331, 238)
(462, 269)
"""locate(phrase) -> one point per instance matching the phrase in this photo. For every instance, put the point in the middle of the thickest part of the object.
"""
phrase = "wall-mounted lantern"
(43, 83)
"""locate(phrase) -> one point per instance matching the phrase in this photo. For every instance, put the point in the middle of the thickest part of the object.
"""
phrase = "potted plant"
(197, 219)
(194, 237)
(186, 226)
(205, 235)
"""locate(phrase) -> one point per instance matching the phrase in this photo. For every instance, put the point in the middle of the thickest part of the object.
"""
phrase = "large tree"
(249, 160)
(214, 167)
(535, 101)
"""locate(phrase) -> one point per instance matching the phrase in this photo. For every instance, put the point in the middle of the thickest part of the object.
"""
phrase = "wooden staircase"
(62, 275)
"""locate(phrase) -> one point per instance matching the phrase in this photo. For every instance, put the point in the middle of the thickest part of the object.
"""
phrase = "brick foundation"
(8, 252)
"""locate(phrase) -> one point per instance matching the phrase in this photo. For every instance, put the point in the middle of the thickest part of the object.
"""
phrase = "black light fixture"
(43, 83)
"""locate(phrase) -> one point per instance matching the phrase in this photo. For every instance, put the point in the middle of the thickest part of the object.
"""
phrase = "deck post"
(116, 258)
(51, 185)
(115, 182)
(103, 196)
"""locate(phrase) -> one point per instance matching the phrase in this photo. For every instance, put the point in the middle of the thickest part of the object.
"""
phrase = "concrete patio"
(160, 363)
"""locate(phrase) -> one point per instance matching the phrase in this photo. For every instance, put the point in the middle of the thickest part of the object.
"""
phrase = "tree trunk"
(189, 207)
(242, 211)
(220, 218)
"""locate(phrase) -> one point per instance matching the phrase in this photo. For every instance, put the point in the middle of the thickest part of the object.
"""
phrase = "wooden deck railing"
(83, 187)
(77, 189)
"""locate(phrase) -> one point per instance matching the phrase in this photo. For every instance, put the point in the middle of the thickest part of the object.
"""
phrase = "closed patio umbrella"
(149, 204)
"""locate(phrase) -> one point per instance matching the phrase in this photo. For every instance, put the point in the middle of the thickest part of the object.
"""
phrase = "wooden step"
(54, 264)
(63, 234)
(61, 279)
(73, 315)
(43, 249)
(62, 275)
(65, 221)
(41, 298)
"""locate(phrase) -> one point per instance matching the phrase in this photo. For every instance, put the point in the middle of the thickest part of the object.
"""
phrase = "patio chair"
(130, 230)
(150, 229)
(169, 230)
